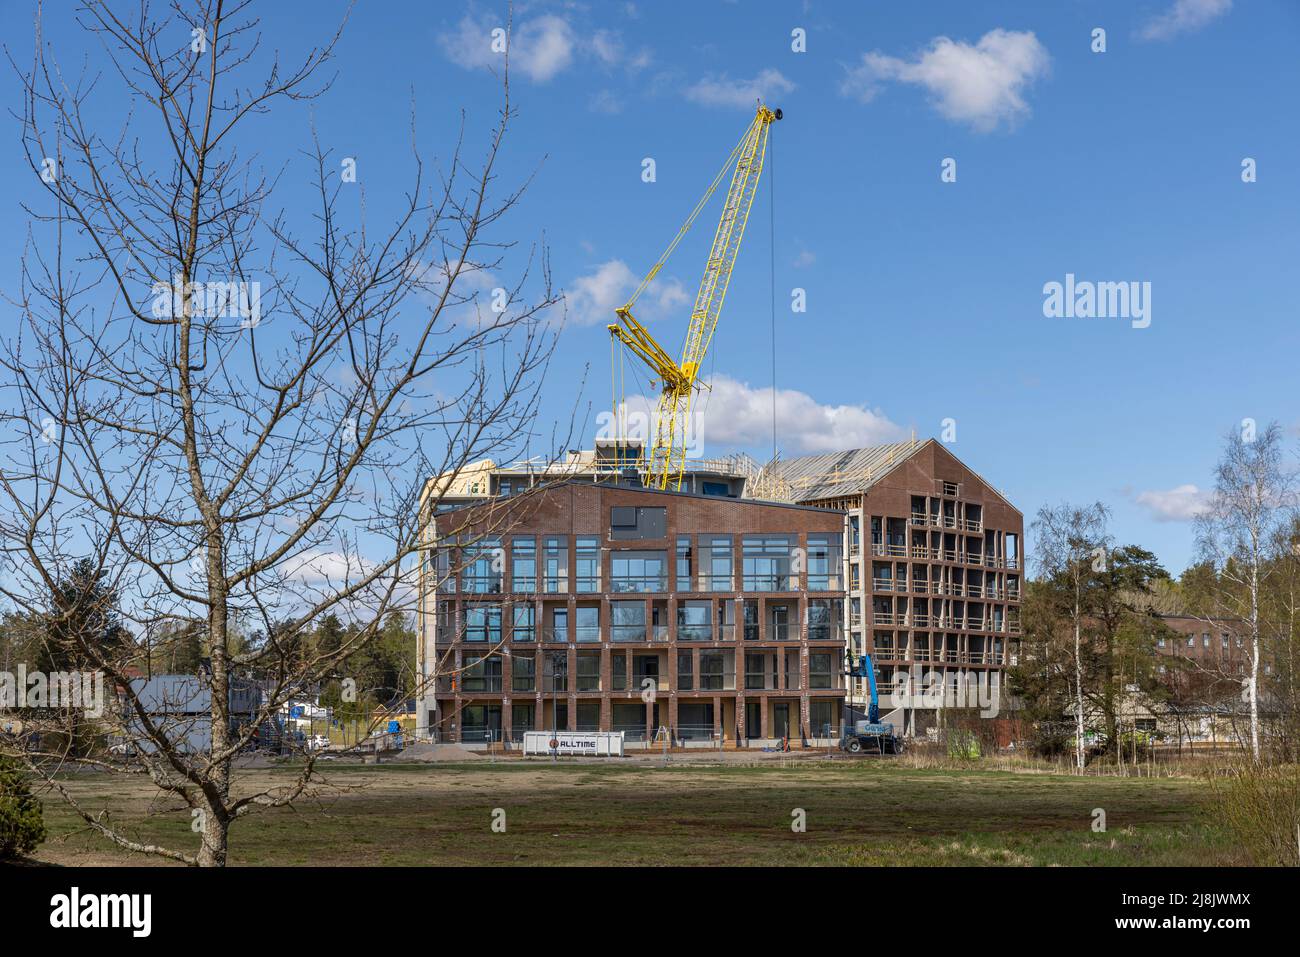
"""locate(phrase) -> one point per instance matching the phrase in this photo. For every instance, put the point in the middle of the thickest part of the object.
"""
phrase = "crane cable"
(771, 207)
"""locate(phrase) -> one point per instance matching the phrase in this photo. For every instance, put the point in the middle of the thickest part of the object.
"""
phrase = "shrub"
(1259, 805)
(21, 825)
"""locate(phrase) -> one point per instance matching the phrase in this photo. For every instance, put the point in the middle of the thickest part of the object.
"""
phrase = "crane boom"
(679, 380)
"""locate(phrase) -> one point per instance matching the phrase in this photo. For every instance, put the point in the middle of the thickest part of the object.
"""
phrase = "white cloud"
(724, 91)
(983, 85)
(1183, 17)
(804, 259)
(1180, 504)
(734, 414)
(605, 101)
(316, 568)
(540, 48)
(594, 297)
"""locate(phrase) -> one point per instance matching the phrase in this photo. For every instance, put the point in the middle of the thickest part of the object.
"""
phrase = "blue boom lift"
(872, 734)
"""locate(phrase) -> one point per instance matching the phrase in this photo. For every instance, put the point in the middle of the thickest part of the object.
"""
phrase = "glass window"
(589, 673)
(685, 674)
(483, 674)
(751, 620)
(711, 671)
(524, 624)
(822, 715)
(483, 623)
(523, 564)
(824, 619)
(637, 571)
(556, 564)
(766, 563)
(586, 564)
(557, 674)
(715, 563)
(820, 669)
(523, 674)
(754, 675)
(684, 563)
(558, 629)
(695, 621)
(588, 623)
(824, 557)
(726, 620)
(446, 578)
(588, 716)
(484, 562)
(627, 621)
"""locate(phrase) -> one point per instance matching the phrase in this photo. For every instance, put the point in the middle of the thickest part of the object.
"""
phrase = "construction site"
(681, 600)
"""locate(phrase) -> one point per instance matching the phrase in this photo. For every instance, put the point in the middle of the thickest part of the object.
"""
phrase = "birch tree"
(1249, 515)
(1071, 545)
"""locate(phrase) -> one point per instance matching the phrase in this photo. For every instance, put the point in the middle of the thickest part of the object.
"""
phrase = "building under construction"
(568, 595)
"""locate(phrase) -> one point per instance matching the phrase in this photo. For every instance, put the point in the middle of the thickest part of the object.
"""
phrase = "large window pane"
(523, 564)
(555, 563)
(627, 621)
(588, 624)
(637, 571)
(484, 563)
(766, 563)
(824, 557)
(694, 621)
(586, 571)
(483, 623)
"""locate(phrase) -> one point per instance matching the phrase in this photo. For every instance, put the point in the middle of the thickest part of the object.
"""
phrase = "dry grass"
(877, 812)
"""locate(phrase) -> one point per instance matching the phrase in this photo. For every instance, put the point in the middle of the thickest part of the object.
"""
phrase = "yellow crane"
(666, 459)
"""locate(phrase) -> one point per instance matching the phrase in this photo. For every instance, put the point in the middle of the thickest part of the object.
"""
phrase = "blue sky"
(924, 298)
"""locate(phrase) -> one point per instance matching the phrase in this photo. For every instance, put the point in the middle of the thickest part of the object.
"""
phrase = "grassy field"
(867, 812)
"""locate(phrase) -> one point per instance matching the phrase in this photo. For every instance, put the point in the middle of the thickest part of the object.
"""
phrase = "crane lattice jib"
(679, 381)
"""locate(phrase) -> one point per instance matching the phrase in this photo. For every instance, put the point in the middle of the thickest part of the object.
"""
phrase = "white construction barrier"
(606, 744)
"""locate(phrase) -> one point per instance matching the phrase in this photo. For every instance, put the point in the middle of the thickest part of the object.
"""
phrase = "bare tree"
(1248, 517)
(229, 408)
(1071, 545)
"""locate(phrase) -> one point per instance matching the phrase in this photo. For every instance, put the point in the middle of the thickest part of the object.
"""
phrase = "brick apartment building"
(935, 565)
(583, 605)
(1212, 645)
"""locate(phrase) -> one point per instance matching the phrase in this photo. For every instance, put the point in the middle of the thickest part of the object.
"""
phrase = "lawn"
(866, 812)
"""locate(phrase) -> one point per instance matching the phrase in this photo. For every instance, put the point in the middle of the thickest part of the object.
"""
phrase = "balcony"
(629, 632)
(694, 632)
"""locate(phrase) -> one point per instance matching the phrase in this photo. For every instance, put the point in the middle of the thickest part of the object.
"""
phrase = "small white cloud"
(605, 101)
(737, 415)
(594, 297)
(608, 47)
(745, 94)
(539, 48)
(1180, 504)
(983, 85)
(804, 259)
(1183, 17)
